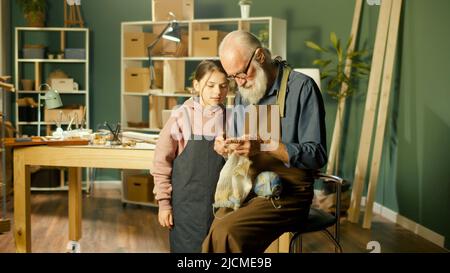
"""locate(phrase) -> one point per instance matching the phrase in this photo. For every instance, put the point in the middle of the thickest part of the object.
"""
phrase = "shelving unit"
(145, 107)
(56, 39)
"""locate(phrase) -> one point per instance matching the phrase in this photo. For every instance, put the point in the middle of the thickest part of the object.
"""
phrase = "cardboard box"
(205, 43)
(182, 9)
(136, 44)
(62, 84)
(137, 79)
(51, 115)
(139, 188)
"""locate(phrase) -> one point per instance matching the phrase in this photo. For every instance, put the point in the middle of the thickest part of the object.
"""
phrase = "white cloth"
(234, 183)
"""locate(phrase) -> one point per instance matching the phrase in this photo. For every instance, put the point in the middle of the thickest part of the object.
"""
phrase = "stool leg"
(295, 245)
(300, 244)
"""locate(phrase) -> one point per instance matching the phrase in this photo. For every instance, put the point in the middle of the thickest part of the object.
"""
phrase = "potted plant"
(245, 8)
(332, 66)
(34, 11)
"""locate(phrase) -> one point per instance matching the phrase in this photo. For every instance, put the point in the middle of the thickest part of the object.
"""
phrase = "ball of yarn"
(268, 184)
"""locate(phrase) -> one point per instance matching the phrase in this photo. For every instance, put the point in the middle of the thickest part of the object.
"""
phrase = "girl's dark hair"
(207, 66)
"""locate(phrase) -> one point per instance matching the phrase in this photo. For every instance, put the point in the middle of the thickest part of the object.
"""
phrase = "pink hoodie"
(174, 138)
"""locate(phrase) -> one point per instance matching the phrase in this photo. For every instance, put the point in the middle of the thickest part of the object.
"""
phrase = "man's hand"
(165, 218)
(245, 146)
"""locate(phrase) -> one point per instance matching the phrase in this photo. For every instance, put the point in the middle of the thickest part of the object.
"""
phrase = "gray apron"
(194, 178)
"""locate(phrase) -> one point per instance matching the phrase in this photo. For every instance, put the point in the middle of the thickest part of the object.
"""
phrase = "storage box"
(51, 115)
(75, 53)
(182, 9)
(62, 84)
(136, 43)
(205, 43)
(139, 188)
(46, 178)
(137, 79)
(27, 113)
(33, 52)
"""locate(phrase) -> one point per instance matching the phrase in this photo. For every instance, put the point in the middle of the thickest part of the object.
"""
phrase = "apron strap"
(281, 96)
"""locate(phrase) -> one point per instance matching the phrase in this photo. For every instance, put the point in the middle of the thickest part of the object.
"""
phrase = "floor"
(108, 227)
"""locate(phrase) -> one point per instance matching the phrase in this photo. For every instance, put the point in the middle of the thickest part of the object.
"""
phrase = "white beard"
(253, 94)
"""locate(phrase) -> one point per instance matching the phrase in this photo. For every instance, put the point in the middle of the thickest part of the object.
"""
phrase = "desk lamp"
(172, 33)
(52, 101)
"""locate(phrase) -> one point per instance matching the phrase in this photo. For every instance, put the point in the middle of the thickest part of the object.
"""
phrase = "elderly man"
(300, 152)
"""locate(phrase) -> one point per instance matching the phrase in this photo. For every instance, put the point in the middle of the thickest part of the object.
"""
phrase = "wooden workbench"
(73, 157)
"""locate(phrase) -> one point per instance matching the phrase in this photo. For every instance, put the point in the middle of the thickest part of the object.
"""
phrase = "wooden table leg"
(75, 200)
(22, 207)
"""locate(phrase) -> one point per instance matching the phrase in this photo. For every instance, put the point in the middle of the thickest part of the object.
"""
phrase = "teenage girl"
(186, 167)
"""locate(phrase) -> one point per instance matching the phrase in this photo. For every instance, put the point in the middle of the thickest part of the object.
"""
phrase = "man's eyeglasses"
(243, 75)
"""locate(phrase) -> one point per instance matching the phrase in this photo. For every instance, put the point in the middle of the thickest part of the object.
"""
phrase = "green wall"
(415, 176)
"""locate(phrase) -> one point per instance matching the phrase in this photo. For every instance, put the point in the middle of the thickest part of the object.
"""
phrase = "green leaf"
(353, 54)
(324, 75)
(322, 63)
(334, 39)
(360, 65)
(315, 46)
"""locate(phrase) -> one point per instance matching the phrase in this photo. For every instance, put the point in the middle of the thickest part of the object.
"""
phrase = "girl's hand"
(165, 218)
(220, 147)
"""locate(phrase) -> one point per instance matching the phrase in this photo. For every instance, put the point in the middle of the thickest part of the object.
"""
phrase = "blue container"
(75, 53)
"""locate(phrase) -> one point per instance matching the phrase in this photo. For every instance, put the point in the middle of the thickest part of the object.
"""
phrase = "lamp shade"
(172, 33)
(52, 99)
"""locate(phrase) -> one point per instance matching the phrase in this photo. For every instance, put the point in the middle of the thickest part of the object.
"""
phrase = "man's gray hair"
(244, 39)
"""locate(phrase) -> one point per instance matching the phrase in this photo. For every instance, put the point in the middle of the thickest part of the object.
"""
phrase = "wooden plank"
(85, 156)
(174, 76)
(35, 141)
(65, 14)
(7, 86)
(156, 105)
(37, 76)
(333, 159)
(383, 109)
(75, 201)
(22, 207)
(62, 41)
(370, 108)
